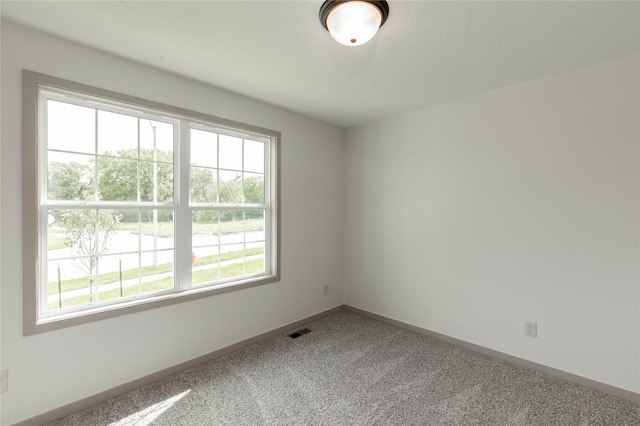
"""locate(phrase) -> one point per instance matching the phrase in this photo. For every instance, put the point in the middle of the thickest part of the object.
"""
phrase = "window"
(131, 205)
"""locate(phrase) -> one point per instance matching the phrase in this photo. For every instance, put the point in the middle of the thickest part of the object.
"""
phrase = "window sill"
(68, 319)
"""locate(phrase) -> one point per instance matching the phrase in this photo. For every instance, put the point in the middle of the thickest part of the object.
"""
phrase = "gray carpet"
(352, 370)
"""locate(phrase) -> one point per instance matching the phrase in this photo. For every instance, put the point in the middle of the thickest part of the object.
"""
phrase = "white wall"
(465, 219)
(56, 368)
(469, 218)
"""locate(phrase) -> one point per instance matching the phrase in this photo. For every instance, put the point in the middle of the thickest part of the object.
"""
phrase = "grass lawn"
(228, 271)
(165, 229)
(202, 276)
(55, 242)
(108, 277)
(112, 277)
(162, 284)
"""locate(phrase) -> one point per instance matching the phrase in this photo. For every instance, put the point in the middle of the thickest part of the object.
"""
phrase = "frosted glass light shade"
(353, 23)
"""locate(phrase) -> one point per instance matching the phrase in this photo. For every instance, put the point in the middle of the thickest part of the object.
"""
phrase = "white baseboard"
(569, 377)
(97, 398)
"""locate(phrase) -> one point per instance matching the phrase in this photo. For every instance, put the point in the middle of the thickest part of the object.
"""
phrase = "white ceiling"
(427, 53)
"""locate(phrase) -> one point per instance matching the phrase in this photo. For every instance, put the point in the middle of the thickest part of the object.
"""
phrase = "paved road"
(126, 242)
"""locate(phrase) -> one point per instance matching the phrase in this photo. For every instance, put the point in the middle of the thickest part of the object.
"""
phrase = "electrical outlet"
(531, 329)
(326, 289)
(4, 381)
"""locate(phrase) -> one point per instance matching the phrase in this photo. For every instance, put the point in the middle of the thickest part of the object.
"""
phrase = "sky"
(72, 129)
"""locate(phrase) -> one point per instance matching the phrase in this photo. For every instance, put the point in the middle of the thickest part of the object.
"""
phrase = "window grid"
(181, 207)
(92, 266)
(220, 206)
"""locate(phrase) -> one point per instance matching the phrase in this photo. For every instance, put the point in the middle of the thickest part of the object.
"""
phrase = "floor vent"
(299, 333)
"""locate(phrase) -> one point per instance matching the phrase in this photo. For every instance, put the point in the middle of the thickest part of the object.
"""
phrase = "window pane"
(205, 228)
(227, 244)
(253, 156)
(205, 246)
(232, 243)
(68, 285)
(117, 134)
(254, 225)
(254, 258)
(111, 245)
(117, 179)
(204, 187)
(230, 187)
(165, 182)
(234, 265)
(205, 266)
(230, 155)
(109, 223)
(242, 260)
(159, 189)
(78, 240)
(56, 246)
(70, 176)
(161, 139)
(68, 280)
(156, 235)
(71, 127)
(156, 167)
(79, 231)
(204, 148)
(101, 255)
(119, 276)
(253, 188)
(231, 226)
(156, 231)
(159, 277)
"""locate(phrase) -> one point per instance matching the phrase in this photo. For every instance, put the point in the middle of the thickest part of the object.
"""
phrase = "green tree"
(88, 233)
(204, 189)
(254, 190)
(117, 179)
(230, 191)
(204, 186)
(69, 181)
(164, 161)
(117, 175)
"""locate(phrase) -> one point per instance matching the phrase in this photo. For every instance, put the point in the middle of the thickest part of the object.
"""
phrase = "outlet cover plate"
(531, 329)
(4, 381)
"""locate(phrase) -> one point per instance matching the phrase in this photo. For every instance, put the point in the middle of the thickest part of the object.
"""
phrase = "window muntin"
(108, 168)
(114, 170)
(78, 277)
(228, 209)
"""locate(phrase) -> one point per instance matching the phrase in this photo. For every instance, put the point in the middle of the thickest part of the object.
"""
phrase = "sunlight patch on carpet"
(149, 414)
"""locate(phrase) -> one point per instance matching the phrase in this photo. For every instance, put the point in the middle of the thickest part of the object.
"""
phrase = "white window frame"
(34, 180)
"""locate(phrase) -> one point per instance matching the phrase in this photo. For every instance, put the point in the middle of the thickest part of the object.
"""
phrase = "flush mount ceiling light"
(353, 22)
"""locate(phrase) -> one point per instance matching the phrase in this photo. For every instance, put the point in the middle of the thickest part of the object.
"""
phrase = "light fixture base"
(355, 21)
